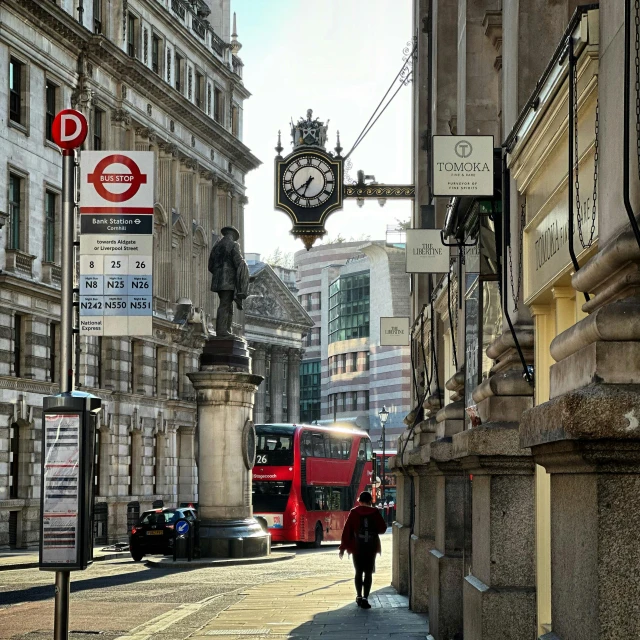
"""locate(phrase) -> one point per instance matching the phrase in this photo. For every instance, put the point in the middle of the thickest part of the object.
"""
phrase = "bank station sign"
(463, 166)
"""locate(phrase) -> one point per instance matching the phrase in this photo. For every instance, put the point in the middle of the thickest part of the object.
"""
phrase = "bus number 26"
(261, 459)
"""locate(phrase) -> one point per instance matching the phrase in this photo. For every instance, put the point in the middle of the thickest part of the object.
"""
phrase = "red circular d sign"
(69, 129)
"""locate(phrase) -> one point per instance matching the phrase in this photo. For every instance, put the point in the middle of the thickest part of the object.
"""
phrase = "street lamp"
(383, 415)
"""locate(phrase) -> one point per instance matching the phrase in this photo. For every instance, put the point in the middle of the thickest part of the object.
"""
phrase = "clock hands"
(305, 185)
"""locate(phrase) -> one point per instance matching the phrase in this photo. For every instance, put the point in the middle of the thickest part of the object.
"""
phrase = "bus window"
(346, 449)
(336, 448)
(369, 450)
(274, 449)
(362, 450)
(318, 445)
(335, 500)
(270, 496)
(306, 448)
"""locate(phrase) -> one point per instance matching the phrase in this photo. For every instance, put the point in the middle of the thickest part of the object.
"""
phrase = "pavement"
(28, 558)
(315, 608)
(309, 596)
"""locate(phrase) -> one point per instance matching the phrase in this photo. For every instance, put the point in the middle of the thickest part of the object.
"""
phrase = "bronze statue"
(230, 277)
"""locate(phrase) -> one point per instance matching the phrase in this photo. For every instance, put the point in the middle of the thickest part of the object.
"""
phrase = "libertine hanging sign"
(425, 252)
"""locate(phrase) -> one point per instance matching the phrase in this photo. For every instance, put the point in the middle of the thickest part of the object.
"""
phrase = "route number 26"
(261, 459)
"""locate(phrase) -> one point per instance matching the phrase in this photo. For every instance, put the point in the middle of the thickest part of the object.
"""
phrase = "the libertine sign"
(425, 252)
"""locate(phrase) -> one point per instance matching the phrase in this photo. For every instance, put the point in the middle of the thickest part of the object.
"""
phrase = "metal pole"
(68, 265)
(384, 484)
(63, 578)
(61, 616)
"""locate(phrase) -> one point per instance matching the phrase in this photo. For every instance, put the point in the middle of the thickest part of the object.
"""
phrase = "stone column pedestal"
(446, 559)
(226, 446)
(499, 595)
(401, 534)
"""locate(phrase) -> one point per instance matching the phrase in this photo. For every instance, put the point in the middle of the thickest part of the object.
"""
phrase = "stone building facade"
(346, 374)
(276, 326)
(517, 475)
(149, 76)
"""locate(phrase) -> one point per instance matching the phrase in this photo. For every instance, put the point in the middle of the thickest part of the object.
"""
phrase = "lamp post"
(383, 415)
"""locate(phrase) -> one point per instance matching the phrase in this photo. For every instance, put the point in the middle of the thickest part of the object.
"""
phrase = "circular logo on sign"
(69, 129)
(131, 180)
(463, 149)
(249, 444)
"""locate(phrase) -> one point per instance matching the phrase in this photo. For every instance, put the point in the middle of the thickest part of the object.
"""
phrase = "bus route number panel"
(116, 287)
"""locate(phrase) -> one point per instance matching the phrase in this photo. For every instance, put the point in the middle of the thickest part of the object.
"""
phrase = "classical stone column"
(276, 383)
(186, 465)
(401, 531)
(225, 390)
(446, 559)
(293, 385)
(259, 366)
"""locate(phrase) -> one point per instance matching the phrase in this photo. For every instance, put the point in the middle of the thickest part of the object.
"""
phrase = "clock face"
(308, 181)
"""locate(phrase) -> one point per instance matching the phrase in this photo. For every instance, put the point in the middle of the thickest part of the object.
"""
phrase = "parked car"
(154, 533)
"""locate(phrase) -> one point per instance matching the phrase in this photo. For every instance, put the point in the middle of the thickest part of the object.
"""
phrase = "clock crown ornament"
(309, 132)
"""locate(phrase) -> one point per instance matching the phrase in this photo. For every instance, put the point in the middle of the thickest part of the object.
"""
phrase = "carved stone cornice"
(121, 116)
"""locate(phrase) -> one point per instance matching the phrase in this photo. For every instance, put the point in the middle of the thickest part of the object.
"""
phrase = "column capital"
(295, 355)
(277, 352)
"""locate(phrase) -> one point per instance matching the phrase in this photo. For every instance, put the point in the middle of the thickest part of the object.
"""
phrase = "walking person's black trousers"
(365, 565)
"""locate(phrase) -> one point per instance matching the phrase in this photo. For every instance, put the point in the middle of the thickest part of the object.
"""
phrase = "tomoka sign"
(116, 243)
(463, 165)
(69, 129)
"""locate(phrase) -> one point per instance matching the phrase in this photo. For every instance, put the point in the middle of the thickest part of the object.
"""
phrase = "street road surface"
(115, 597)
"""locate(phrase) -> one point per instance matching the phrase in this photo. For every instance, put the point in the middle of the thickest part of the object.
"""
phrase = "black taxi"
(155, 533)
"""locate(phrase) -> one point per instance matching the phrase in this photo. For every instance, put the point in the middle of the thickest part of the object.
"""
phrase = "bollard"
(190, 544)
(175, 545)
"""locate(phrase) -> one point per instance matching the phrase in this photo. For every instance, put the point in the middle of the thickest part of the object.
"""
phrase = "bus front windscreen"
(274, 449)
(271, 496)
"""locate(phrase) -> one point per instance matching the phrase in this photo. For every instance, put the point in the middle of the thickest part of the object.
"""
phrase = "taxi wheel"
(137, 556)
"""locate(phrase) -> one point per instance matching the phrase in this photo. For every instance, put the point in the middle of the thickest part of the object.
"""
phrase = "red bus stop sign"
(69, 129)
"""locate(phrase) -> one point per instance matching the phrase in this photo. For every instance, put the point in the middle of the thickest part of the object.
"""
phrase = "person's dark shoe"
(359, 600)
(364, 603)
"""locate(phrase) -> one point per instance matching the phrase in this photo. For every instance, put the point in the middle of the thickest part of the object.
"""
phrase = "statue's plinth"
(226, 450)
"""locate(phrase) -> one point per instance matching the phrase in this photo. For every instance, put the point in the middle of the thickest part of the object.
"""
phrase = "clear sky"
(337, 57)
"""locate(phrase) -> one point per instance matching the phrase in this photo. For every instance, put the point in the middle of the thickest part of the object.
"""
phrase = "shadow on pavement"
(79, 584)
(388, 619)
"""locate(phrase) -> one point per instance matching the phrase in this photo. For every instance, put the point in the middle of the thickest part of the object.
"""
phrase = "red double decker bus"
(307, 478)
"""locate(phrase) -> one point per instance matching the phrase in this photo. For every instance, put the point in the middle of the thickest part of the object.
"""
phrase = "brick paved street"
(309, 596)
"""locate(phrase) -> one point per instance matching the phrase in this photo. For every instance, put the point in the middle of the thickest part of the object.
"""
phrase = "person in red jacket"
(361, 539)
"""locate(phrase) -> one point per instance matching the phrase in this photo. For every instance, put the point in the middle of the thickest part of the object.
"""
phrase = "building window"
(14, 455)
(51, 101)
(310, 391)
(235, 120)
(17, 345)
(218, 105)
(53, 352)
(97, 16)
(14, 234)
(155, 54)
(349, 307)
(132, 35)
(50, 205)
(199, 90)
(178, 72)
(365, 400)
(17, 71)
(98, 123)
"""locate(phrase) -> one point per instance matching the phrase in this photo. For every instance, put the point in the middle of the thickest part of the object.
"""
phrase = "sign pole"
(63, 578)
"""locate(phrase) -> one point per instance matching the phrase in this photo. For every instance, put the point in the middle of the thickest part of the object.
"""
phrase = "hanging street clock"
(309, 181)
